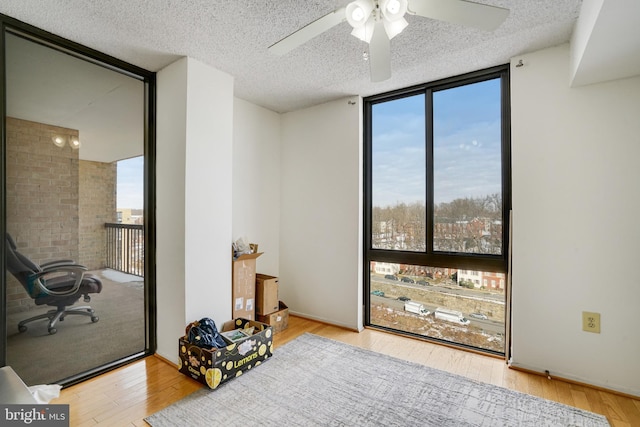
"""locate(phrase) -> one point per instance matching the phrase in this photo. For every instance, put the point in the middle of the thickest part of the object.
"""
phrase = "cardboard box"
(266, 294)
(215, 366)
(279, 320)
(243, 293)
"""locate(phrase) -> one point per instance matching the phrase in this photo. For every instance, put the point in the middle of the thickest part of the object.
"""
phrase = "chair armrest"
(58, 261)
(56, 265)
(73, 271)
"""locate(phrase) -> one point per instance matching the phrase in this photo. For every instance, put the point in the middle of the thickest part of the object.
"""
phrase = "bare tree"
(471, 225)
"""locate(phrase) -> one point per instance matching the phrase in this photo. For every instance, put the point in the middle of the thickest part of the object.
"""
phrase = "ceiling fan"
(378, 21)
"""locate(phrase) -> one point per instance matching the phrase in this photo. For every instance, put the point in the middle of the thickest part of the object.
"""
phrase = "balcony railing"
(125, 248)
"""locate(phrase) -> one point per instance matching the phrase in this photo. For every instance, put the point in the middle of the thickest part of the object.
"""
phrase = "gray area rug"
(315, 381)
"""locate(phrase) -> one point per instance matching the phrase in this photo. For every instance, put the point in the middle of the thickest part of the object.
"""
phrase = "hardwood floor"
(125, 396)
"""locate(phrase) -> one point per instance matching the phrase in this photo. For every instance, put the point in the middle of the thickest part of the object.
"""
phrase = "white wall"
(575, 230)
(321, 230)
(208, 190)
(256, 181)
(581, 34)
(194, 149)
(170, 212)
(575, 176)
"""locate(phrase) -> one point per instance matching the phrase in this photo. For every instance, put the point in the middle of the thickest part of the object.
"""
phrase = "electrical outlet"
(591, 322)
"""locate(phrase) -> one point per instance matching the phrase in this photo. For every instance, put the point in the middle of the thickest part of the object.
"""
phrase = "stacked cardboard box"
(269, 309)
(279, 320)
(244, 285)
(266, 294)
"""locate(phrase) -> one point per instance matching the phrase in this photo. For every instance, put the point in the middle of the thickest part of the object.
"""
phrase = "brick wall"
(97, 206)
(44, 190)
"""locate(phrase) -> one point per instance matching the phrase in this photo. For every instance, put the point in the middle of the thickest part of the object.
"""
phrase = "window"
(60, 171)
(398, 175)
(437, 197)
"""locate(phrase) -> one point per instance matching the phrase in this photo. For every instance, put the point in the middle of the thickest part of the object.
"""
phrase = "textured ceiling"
(233, 36)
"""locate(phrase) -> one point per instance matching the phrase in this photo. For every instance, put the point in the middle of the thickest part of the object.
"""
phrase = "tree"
(470, 225)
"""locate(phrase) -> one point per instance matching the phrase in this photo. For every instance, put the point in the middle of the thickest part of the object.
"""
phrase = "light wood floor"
(125, 396)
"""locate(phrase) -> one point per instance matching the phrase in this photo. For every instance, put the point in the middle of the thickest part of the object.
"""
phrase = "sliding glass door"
(437, 201)
(78, 268)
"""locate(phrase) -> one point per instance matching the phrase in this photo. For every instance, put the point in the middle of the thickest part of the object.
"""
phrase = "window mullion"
(429, 209)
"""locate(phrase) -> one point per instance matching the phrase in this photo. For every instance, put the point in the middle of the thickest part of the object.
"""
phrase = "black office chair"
(59, 284)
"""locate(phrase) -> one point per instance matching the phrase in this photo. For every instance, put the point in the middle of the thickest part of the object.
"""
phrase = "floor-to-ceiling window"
(437, 201)
(77, 177)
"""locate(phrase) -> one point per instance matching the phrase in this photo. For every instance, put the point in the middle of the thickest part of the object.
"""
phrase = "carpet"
(79, 345)
(315, 381)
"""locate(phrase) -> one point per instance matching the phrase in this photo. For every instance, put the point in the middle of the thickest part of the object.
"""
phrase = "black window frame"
(431, 258)
(9, 25)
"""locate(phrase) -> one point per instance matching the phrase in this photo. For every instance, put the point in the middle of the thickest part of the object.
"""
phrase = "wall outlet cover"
(591, 322)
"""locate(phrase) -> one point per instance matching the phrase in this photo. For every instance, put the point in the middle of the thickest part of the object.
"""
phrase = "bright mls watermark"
(34, 415)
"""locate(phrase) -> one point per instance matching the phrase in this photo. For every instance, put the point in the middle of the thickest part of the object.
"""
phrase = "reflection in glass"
(68, 124)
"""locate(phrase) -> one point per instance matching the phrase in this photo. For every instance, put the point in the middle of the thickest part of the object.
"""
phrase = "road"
(495, 297)
(490, 326)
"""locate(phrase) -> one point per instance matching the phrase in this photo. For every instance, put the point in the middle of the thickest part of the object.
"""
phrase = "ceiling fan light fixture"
(358, 12)
(376, 22)
(357, 15)
(365, 32)
(393, 28)
(394, 10)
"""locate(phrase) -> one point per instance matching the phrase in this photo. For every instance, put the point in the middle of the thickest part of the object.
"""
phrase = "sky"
(130, 189)
(467, 152)
(466, 149)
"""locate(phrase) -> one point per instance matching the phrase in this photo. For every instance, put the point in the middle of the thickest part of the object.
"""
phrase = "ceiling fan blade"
(380, 54)
(463, 12)
(308, 32)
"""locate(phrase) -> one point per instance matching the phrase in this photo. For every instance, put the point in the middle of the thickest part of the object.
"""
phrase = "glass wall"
(71, 306)
(437, 197)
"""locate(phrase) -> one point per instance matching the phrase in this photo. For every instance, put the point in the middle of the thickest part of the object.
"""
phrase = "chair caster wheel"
(22, 328)
(94, 319)
(52, 331)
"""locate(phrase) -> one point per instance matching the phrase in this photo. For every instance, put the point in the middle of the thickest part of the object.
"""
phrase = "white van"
(416, 307)
(451, 316)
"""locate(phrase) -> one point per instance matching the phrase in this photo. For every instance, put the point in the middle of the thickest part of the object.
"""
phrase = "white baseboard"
(327, 321)
(614, 388)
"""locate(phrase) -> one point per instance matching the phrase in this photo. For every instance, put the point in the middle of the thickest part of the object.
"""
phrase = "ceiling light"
(393, 28)
(365, 32)
(358, 12)
(58, 140)
(392, 6)
(357, 15)
(393, 9)
(363, 14)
